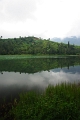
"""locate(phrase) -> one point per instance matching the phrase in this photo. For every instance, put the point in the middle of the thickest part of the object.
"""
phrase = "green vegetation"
(36, 46)
(60, 102)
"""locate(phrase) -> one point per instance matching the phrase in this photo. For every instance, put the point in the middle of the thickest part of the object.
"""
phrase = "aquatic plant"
(60, 102)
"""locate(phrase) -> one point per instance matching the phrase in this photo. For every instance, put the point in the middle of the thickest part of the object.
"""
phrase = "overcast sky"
(40, 18)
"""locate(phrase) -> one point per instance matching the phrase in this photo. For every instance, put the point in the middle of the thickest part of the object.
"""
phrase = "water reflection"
(13, 83)
(37, 64)
(25, 75)
(41, 79)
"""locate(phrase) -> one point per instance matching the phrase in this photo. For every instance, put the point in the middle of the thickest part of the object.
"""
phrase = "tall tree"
(68, 44)
(1, 37)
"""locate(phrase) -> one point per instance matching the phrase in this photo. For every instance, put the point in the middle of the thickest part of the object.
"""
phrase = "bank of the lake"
(60, 102)
(2, 57)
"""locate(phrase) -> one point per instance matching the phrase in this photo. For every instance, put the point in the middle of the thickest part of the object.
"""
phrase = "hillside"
(34, 45)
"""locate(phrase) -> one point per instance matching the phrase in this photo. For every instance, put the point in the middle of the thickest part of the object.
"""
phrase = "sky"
(39, 18)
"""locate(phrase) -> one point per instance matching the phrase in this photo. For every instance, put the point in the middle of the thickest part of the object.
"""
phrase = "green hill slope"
(33, 45)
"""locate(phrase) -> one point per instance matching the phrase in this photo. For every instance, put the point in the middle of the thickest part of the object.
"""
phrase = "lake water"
(21, 75)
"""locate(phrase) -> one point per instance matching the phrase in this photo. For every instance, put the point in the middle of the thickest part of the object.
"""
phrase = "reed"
(60, 102)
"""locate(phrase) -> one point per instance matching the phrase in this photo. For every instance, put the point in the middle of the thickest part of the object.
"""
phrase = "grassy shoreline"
(60, 102)
(35, 56)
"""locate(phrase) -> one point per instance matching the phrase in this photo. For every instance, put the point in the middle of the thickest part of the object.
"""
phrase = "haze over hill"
(73, 40)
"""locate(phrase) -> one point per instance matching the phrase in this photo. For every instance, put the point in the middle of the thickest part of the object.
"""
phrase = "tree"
(1, 37)
(68, 44)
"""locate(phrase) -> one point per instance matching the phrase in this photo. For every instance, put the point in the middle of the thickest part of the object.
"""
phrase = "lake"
(26, 74)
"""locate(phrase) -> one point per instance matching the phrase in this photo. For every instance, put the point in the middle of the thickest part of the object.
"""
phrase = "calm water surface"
(17, 76)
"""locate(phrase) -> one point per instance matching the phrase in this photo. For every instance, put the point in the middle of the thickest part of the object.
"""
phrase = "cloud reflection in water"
(40, 79)
(11, 83)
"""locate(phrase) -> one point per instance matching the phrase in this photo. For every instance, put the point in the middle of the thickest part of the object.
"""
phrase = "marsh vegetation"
(60, 102)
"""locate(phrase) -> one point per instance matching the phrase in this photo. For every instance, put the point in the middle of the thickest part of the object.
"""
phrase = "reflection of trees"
(36, 64)
(68, 65)
(1, 72)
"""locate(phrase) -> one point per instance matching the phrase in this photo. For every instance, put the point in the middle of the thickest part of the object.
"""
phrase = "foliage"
(60, 102)
(33, 45)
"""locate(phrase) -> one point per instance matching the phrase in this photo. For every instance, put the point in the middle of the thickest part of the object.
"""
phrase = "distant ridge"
(73, 40)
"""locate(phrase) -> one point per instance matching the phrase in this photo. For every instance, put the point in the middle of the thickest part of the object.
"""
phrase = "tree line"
(33, 45)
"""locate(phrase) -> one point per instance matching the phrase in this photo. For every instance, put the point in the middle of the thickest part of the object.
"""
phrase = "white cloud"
(18, 10)
(42, 18)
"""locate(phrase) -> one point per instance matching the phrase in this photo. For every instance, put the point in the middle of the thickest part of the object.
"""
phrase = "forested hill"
(33, 45)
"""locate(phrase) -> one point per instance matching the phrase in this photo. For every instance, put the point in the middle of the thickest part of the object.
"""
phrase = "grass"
(2, 57)
(60, 102)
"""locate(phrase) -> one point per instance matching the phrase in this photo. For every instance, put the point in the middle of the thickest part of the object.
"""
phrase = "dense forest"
(33, 45)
